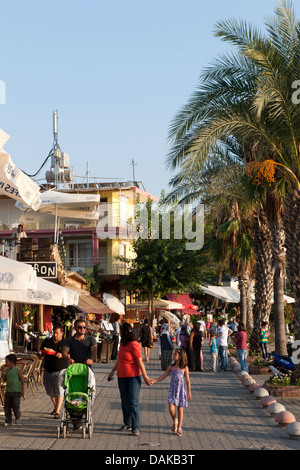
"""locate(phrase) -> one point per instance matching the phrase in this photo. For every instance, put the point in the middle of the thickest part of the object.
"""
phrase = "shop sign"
(44, 269)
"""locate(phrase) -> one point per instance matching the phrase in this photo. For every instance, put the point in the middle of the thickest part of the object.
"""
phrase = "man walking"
(81, 347)
(223, 334)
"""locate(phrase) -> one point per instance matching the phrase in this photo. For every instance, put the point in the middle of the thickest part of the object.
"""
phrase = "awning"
(232, 295)
(89, 304)
(46, 293)
(187, 306)
(227, 294)
(159, 304)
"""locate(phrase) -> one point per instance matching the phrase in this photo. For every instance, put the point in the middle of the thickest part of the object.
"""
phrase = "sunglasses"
(81, 327)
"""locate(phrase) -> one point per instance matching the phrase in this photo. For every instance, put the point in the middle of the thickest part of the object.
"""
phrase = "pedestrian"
(223, 334)
(180, 388)
(263, 339)
(207, 327)
(240, 340)
(195, 345)
(14, 389)
(184, 341)
(54, 368)
(166, 346)
(214, 351)
(158, 337)
(234, 327)
(17, 235)
(177, 334)
(146, 338)
(130, 368)
(80, 347)
(116, 337)
(213, 327)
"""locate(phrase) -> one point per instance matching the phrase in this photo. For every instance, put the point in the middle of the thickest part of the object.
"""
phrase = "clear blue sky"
(117, 71)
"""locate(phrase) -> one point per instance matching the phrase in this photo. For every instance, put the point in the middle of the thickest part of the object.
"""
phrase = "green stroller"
(79, 392)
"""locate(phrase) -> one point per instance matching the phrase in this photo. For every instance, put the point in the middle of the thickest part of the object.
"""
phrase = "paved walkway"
(222, 415)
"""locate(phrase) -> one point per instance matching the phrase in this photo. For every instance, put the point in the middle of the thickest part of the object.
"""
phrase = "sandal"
(179, 432)
(56, 416)
(175, 424)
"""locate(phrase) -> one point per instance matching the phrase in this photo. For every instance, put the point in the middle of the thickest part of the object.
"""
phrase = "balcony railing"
(107, 266)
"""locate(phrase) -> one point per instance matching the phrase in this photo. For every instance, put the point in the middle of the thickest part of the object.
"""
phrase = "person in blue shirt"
(214, 351)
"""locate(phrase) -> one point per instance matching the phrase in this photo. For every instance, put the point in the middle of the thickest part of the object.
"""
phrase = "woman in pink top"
(240, 340)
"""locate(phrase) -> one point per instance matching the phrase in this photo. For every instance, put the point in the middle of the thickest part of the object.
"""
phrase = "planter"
(250, 359)
(258, 370)
(289, 391)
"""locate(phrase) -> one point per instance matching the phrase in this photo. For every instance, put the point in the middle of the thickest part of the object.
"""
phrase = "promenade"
(222, 415)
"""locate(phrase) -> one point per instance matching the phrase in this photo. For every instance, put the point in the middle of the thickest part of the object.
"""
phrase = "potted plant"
(260, 366)
(279, 385)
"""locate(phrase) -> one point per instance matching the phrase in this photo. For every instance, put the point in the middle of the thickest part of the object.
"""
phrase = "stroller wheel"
(90, 430)
(83, 432)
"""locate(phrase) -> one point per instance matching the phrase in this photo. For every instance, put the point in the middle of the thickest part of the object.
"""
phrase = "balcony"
(108, 266)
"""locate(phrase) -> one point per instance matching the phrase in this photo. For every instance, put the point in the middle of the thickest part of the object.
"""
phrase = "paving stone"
(222, 415)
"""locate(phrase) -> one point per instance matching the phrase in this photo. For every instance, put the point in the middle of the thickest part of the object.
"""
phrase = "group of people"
(130, 367)
(79, 348)
(190, 338)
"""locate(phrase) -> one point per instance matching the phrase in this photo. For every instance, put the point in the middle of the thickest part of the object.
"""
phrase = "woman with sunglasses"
(130, 368)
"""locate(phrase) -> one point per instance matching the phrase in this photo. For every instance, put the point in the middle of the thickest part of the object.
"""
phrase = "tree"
(248, 96)
(161, 266)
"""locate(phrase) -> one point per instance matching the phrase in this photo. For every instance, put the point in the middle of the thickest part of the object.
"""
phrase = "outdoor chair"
(27, 374)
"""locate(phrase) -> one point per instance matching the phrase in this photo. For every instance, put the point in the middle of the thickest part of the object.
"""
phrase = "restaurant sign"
(43, 269)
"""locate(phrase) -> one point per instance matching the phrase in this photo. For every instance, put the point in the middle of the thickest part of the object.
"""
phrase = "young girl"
(180, 388)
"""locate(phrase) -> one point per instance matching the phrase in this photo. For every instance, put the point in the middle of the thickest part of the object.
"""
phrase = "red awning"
(184, 299)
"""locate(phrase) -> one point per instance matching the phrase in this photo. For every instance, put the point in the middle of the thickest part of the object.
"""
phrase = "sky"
(117, 71)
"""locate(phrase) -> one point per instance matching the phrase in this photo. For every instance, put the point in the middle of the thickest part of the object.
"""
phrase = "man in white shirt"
(222, 336)
(17, 235)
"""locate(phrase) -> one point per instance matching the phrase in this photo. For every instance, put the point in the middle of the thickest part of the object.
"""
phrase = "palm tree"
(278, 126)
(241, 97)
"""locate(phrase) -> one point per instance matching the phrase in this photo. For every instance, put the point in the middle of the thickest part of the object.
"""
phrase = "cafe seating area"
(32, 371)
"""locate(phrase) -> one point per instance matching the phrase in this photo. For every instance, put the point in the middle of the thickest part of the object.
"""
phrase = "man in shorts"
(54, 369)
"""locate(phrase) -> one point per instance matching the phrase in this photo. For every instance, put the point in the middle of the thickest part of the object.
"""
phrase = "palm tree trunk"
(279, 269)
(242, 282)
(263, 275)
(151, 308)
(292, 233)
(249, 320)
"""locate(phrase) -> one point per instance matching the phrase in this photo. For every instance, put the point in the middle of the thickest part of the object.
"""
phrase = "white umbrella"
(13, 182)
(15, 275)
(113, 303)
(46, 293)
(158, 303)
(170, 317)
(31, 217)
(59, 204)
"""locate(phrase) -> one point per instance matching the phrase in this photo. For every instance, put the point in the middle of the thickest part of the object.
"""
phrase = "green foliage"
(161, 266)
